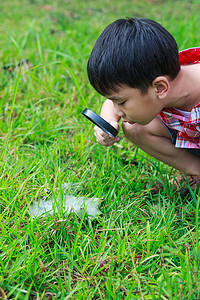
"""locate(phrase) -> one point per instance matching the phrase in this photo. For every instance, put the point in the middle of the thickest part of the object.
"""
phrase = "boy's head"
(132, 52)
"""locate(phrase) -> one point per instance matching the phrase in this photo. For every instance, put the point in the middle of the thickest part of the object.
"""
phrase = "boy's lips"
(130, 122)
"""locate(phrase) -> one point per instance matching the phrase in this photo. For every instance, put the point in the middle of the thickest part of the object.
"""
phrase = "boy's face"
(134, 107)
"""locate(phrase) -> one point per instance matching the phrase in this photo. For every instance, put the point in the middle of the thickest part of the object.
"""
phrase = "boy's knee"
(142, 134)
(134, 132)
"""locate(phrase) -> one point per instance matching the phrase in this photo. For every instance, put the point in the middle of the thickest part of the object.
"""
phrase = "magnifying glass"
(100, 122)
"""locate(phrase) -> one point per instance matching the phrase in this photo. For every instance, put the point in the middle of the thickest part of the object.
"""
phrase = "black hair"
(132, 52)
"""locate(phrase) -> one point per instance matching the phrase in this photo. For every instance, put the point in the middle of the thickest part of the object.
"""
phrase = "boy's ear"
(162, 86)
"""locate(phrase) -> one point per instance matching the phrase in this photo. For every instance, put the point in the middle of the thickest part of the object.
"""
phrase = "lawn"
(140, 245)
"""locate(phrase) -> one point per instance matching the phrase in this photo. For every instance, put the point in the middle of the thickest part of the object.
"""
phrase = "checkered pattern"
(188, 127)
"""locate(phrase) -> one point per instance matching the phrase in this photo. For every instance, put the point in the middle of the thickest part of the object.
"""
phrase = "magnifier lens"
(100, 122)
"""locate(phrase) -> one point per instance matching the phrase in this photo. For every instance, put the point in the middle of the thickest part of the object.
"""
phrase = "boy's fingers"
(104, 138)
(103, 133)
(106, 141)
(100, 132)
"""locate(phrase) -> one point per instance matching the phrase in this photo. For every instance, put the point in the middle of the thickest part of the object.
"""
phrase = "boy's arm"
(107, 112)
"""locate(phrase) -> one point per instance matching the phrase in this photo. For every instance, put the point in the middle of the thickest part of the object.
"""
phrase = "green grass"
(142, 246)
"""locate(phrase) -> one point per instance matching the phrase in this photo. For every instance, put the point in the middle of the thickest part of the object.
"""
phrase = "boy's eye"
(122, 103)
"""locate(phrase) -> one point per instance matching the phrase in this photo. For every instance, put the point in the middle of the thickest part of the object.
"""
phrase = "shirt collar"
(189, 56)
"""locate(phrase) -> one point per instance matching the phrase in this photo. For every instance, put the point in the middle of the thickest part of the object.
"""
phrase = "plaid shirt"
(188, 128)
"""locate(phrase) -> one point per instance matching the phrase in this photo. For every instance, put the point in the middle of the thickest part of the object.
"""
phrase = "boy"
(154, 89)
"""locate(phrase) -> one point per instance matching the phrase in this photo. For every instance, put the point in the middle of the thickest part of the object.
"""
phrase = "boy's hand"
(105, 139)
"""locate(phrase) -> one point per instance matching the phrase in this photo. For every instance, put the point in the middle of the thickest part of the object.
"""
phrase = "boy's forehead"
(118, 95)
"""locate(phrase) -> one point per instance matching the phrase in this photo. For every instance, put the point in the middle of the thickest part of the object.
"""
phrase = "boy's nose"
(117, 110)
